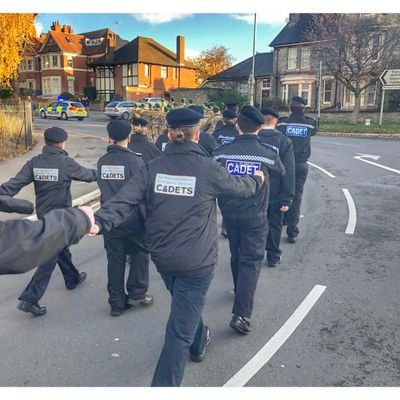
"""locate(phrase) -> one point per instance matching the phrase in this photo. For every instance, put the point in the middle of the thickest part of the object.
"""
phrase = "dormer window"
(93, 42)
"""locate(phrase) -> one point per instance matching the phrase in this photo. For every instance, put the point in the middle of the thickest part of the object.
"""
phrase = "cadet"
(52, 173)
(179, 190)
(114, 169)
(139, 142)
(24, 244)
(281, 187)
(299, 129)
(246, 220)
(209, 125)
(162, 140)
(232, 105)
(206, 140)
(228, 131)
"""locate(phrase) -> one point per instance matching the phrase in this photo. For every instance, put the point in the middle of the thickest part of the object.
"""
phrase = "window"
(175, 73)
(129, 75)
(164, 72)
(305, 92)
(371, 94)
(51, 85)
(93, 42)
(69, 61)
(266, 87)
(349, 98)
(375, 43)
(22, 66)
(327, 94)
(297, 89)
(29, 65)
(305, 58)
(292, 58)
(55, 61)
(71, 86)
(45, 62)
(146, 70)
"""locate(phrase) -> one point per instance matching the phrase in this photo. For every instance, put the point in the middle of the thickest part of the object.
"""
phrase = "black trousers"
(247, 239)
(274, 228)
(40, 280)
(117, 248)
(292, 217)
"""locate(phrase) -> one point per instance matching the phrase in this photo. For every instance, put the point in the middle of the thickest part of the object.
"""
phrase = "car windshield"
(112, 104)
(77, 105)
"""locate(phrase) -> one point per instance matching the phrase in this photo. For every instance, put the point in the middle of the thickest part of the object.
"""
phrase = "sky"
(201, 30)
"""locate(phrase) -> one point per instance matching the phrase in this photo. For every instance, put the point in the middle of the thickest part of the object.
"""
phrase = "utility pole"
(252, 77)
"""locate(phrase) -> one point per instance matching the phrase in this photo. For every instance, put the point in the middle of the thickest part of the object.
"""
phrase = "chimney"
(67, 29)
(180, 50)
(56, 27)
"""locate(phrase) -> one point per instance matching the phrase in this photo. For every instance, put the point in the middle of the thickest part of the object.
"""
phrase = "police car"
(64, 109)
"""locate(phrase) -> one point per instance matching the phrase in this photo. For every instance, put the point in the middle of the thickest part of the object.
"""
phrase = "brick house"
(236, 78)
(296, 67)
(143, 68)
(59, 60)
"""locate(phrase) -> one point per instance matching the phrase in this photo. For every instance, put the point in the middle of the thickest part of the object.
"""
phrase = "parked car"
(119, 109)
(153, 101)
(64, 109)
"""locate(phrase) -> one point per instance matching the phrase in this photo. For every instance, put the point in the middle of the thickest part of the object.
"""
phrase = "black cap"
(269, 111)
(139, 121)
(199, 109)
(298, 99)
(55, 135)
(229, 114)
(252, 113)
(183, 117)
(118, 130)
(231, 102)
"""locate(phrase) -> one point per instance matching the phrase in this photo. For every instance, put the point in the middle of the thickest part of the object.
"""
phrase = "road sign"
(390, 77)
(391, 87)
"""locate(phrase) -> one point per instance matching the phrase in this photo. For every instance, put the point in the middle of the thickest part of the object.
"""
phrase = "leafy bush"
(222, 96)
(26, 91)
(66, 95)
(5, 93)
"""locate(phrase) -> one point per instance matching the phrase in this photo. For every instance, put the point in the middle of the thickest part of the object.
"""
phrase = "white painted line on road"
(280, 337)
(361, 158)
(351, 224)
(321, 169)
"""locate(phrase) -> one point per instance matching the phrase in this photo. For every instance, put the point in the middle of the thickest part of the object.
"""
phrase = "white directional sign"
(390, 77)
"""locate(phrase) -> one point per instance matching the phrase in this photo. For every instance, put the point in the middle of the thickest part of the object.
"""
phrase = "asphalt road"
(349, 336)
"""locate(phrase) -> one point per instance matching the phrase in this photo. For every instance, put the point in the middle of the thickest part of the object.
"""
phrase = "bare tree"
(356, 48)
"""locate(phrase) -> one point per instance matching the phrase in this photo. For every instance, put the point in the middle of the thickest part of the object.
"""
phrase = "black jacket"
(179, 190)
(281, 186)
(207, 142)
(225, 134)
(52, 173)
(114, 169)
(299, 129)
(245, 155)
(140, 144)
(25, 244)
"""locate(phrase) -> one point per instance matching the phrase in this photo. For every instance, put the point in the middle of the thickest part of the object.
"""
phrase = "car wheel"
(43, 114)
(80, 118)
(125, 115)
(64, 116)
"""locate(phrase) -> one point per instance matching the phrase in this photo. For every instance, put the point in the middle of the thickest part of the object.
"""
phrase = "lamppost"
(252, 77)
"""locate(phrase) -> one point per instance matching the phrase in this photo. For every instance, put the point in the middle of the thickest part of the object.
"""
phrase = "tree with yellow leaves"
(211, 62)
(15, 31)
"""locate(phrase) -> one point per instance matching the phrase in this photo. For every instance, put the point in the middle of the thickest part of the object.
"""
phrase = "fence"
(16, 124)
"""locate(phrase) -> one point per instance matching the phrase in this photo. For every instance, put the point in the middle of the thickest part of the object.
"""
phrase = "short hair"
(247, 125)
(270, 119)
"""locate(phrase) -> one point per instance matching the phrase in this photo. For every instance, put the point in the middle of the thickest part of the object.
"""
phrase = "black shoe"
(240, 324)
(34, 309)
(81, 277)
(146, 301)
(292, 239)
(116, 311)
(273, 264)
(200, 357)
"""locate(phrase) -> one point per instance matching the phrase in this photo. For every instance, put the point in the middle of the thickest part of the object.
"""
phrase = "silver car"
(119, 109)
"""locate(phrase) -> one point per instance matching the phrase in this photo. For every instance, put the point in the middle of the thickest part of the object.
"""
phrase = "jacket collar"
(137, 137)
(184, 148)
(269, 132)
(247, 138)
(53, 150)
(116, 148)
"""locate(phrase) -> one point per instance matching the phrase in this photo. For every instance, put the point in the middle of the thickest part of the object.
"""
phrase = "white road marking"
(363, 156)
(321, 169)
(280, 337)
(351, 224)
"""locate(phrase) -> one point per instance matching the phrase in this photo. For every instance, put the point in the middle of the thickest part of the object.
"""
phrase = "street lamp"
(252, 77)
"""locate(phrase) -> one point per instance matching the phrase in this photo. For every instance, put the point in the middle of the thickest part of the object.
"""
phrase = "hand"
(88, 211)
(94, 230)
(284, 208)
(261, 175)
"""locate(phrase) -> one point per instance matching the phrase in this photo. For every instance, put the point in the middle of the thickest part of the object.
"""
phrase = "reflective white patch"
(242, 167)
(175, 185)
(113, 172)
(45, 174)
(163, 146)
